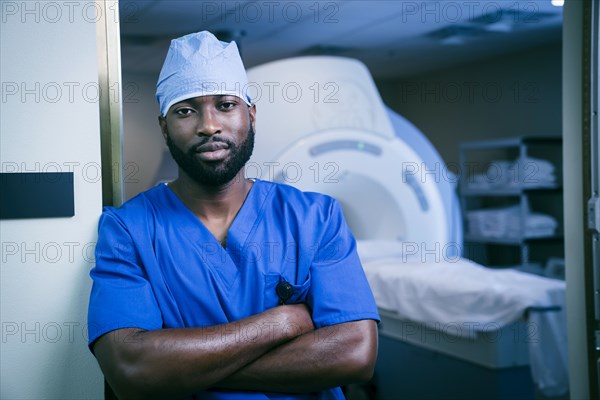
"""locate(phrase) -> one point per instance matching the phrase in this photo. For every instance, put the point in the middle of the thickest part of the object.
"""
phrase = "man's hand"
(168, 363)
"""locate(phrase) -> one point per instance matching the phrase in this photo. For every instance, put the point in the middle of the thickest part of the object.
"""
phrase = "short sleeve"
(339, 290)
(122, 296)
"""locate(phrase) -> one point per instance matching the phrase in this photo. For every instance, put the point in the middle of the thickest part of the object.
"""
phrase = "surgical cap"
(199, 64)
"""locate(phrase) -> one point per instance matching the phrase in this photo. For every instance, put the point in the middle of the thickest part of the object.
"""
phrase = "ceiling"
(393, 38)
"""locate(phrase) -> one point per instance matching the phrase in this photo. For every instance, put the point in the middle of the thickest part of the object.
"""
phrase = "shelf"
(527, 195)
(508, 241)
(512, 191)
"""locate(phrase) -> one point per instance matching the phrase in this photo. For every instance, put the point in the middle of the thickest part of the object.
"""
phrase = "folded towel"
(508, 223)
(528, 172)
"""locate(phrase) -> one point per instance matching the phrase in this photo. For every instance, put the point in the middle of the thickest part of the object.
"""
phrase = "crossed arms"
(277, 350)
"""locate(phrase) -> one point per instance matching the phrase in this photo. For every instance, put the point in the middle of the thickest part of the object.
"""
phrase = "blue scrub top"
(158, 266)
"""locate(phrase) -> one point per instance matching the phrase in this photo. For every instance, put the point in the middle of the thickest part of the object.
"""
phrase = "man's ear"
(252, 114)
(162, 121)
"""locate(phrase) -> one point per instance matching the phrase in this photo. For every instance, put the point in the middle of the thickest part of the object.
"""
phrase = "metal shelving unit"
(476, 157)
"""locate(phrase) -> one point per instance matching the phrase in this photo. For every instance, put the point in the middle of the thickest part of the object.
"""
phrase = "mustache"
(215, 138)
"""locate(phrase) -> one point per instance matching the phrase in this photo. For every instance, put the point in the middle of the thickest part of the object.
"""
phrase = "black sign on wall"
(36, 195)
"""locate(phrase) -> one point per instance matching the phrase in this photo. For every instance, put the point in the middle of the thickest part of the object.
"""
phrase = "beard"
(216, 173)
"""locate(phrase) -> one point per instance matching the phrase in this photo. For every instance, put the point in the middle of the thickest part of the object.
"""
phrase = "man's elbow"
(364, 353)
(139, 382)
(363, 368)
(125, 371)
(128, 381)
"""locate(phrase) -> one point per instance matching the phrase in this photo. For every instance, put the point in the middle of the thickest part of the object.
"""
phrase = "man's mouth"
(213, 151)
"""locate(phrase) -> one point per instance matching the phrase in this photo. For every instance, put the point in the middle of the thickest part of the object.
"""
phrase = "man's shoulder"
(293, 192)
(289, 195)
(138, 204)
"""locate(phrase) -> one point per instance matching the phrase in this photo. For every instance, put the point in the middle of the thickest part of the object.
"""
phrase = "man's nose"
(209, 123)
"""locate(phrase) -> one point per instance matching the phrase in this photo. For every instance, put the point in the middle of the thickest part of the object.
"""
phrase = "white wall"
(49, 122)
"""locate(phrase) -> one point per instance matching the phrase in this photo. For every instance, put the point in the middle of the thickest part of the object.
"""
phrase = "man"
(219, 287)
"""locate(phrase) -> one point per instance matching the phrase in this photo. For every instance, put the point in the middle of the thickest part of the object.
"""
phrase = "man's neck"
(212, 202)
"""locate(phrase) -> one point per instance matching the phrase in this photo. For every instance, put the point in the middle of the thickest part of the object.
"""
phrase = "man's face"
(210, 137)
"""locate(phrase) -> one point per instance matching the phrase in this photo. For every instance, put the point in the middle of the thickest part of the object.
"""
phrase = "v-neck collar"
(242, 224)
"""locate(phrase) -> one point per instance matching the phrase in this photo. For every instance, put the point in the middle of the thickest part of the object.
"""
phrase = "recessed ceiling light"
(557, 3)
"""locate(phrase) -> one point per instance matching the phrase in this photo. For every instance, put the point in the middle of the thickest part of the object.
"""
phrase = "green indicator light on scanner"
(360, 145)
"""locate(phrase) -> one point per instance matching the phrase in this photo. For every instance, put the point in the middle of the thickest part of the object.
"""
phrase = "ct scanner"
(331, 133)
(322, 126)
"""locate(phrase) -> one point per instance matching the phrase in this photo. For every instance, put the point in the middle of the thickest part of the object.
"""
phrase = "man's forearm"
(325, 358)
(167, 363)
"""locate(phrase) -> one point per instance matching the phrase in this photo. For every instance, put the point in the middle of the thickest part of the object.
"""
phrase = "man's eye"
(227, 105)
(184, 111)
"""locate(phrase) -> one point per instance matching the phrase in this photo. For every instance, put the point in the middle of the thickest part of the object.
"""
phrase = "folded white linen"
(508, 223)
(528, 172)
